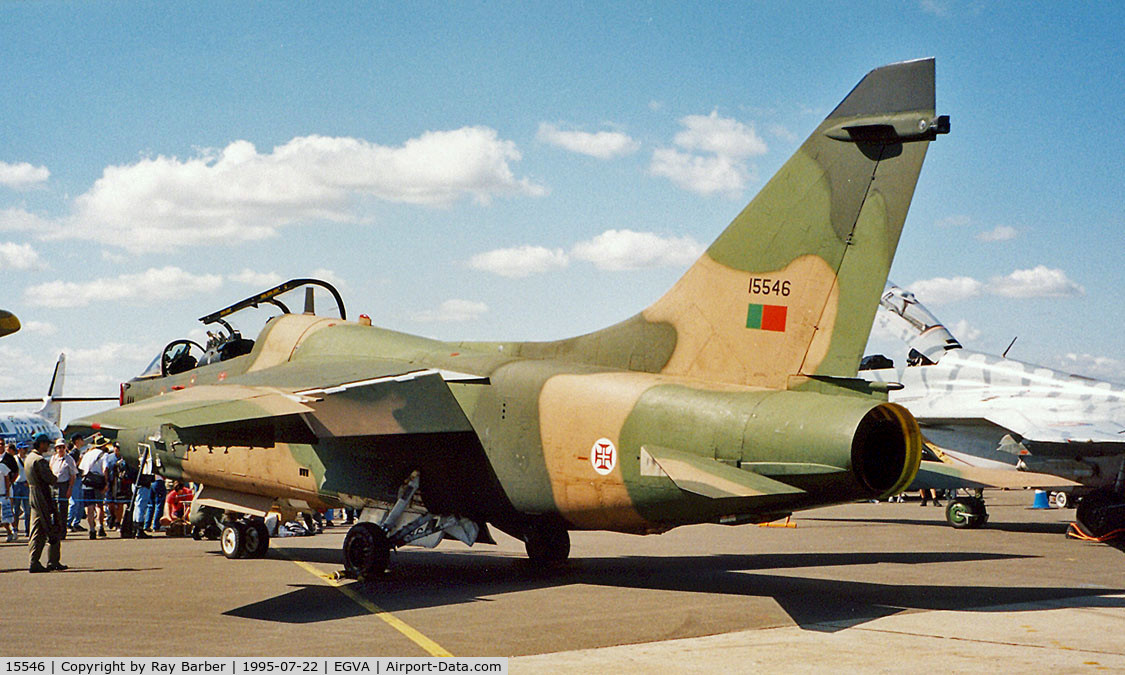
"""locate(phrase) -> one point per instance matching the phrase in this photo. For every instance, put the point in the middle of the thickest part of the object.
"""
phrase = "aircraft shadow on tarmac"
(426, 579)
(1031, 528)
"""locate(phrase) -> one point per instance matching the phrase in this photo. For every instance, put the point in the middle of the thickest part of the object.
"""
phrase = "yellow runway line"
(432, 648)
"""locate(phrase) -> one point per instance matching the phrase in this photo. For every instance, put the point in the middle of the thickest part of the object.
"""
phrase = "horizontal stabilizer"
(707, 477)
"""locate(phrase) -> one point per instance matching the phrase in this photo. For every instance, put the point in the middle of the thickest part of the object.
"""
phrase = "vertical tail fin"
(52, 409)
(791, 286)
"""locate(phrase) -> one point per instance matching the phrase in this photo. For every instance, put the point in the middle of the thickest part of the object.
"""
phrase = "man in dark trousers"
(46, 521)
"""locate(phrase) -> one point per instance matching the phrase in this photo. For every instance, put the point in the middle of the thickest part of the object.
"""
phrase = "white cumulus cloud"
(19, 220)
(40, 327)
(999, 233)
(603, 144)
(723, 136)
(941, 290)
(23, 175)
(151, 285)
(1038, 282)
(520, 261)
(1090, 365)
(15, 256)
(964, 331)
(454, 310)
(629, 250)
(261, 279)
(713, 154)
(705, 175)
(240, 194)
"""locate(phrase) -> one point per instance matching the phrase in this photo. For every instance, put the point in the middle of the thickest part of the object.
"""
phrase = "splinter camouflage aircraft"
(732, 399)
(992, 411)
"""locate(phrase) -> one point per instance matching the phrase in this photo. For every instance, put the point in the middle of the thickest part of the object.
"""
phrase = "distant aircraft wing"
(1077, 430)
(707, 477)
(8, 323)
(941, 476)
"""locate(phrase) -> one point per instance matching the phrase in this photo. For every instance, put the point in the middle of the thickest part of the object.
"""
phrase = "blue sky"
(525, 170)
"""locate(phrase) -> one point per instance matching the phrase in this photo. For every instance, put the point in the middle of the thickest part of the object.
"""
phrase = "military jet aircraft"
(732, 399)
(997, 411)
(9, 323)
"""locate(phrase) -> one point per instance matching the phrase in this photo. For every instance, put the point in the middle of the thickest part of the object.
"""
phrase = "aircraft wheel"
(1101, 512)
(367, 551)
(966, 513)
(547, 543)
(233, 540)
(1061, 499)
(197, 532)
(257, 539)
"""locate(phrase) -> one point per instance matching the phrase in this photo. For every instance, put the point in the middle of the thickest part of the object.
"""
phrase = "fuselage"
(543, 437)
(970, 401)
(24, 427)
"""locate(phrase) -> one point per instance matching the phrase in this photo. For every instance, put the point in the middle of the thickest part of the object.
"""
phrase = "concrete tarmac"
(878, 587)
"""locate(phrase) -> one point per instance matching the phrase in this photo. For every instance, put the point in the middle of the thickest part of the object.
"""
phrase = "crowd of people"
(81, 485)
(85, 485)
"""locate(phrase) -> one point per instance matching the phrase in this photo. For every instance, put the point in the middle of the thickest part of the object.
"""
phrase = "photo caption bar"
(377, 665)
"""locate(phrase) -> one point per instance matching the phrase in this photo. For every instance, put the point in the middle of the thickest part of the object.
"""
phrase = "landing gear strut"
(966, 513)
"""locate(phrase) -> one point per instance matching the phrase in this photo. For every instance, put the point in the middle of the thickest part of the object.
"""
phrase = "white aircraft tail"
(52, 409)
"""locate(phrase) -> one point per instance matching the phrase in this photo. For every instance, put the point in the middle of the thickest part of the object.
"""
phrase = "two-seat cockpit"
(224, 342)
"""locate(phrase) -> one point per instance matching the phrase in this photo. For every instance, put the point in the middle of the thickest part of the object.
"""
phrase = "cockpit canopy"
(226, 342)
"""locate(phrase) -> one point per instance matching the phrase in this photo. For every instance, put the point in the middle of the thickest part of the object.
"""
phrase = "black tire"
(257, 539)
(547, 543)
(1096, 513)
(367, 551)
(966, 513)
(233, 540)
(197, 532)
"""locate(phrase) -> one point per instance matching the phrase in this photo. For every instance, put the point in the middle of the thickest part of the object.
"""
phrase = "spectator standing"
(19, 492)
(142, 502)
(46, 521)
(77, 506)
(93, 468)
(7, 477)
(159, 492)
(66, 472)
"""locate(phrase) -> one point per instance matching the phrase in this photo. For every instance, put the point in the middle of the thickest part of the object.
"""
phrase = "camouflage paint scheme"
(996, 411)
(9, 323)
(699, 409)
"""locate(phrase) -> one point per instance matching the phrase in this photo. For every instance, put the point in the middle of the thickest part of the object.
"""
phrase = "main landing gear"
(368, 545)
(247, 538)
(966, 513)
(547, 543)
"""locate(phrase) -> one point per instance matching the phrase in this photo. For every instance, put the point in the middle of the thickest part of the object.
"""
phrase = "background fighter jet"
(9, 323)
(993, 410)
(732, 399)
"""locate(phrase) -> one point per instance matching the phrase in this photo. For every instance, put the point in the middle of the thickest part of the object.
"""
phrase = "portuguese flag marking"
(766, 317)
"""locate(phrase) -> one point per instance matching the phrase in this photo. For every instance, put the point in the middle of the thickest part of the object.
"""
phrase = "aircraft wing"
(942, 476)
(411, 400)
(1051, 430)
